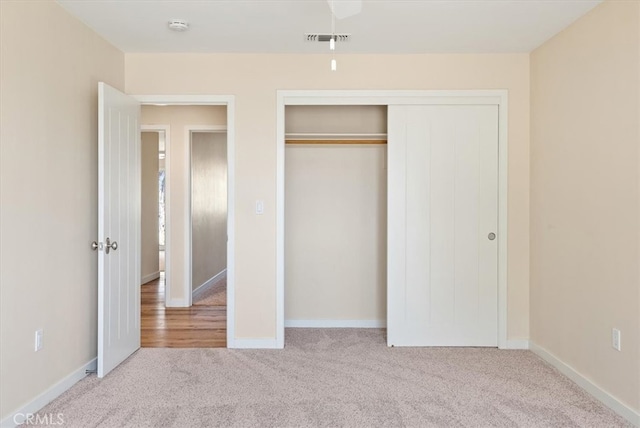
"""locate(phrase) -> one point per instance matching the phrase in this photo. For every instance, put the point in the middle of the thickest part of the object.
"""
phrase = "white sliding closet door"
(442, 280)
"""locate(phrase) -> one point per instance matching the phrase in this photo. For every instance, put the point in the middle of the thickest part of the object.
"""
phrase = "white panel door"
(442, 278)
(118, 227)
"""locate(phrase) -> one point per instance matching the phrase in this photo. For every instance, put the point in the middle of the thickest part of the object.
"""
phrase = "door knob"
(94, 245)
(491, 236)
(110, 245)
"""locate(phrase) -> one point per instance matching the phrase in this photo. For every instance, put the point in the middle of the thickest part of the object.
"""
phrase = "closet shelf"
(342, 138)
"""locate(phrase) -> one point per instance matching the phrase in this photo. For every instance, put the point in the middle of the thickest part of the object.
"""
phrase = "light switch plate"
(259, 207)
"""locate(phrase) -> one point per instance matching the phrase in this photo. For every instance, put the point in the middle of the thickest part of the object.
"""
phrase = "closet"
(395, 215)
(335, 216)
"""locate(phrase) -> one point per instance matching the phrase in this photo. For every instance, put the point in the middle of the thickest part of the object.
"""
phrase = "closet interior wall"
(335, 216)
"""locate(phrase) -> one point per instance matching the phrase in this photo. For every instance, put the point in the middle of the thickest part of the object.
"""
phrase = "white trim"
(188, 207)
(503, 221)
(603, 396)
(255, 344)
(185, 100)
(167, 205)
(517, 344)
(382, 97)
(280, 195)
(150, 277)
(175, 303)
(335, 323)
(215, 278)
(49, 395)
(229, 101)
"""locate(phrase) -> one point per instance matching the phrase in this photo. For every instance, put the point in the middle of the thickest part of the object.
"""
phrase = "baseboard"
(151, 277)
(209, 282)
(335, 323)
(607, 399)
(18, 416)
(517, 344)
(176, 303)
(253, 344)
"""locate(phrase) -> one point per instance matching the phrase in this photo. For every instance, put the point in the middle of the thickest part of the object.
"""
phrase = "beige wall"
(336, 119)
(585, 86)
(234, 74)
(49, 73)
(336, 232)
(208, 206)
(178, 118)
(149, 261)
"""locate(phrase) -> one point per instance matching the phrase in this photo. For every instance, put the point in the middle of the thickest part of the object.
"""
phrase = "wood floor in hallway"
(199, 326)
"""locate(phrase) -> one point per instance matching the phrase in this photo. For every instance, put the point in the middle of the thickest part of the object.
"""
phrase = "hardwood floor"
(194, 327)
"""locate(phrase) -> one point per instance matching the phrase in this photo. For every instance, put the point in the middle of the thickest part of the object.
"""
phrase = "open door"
(118, 227)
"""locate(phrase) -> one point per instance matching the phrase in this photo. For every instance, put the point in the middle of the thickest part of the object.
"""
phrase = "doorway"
(168, 318)
(208, 216)
(153, 185)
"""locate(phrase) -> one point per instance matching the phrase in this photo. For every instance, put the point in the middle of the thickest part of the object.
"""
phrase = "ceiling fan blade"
(345, 8)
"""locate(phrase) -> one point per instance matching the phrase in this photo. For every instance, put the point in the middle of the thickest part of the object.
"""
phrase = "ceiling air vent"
(325, 37)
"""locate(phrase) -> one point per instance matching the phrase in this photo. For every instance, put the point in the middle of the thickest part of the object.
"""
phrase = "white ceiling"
(278, 26)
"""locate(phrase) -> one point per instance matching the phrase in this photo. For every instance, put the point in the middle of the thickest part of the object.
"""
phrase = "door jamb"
(403, 97)
(229, 102)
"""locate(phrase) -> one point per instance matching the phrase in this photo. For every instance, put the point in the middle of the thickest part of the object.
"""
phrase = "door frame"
(229, 102)
(167, 225)
(188, 231)
(497, 97)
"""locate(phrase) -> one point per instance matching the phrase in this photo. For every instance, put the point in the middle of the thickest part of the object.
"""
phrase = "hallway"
(200, 326)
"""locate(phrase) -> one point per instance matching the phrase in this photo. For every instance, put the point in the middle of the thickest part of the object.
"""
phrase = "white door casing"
(118, 221)
(442, 263)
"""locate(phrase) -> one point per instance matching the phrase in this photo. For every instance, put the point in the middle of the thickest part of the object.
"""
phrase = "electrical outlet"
(615, 339)
(38, 343)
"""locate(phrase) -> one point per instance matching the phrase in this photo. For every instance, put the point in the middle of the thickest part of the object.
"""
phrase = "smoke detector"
(178, 25)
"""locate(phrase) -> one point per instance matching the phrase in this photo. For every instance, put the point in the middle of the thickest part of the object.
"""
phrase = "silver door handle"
(110, 245)
(94, 245)
(491, 236)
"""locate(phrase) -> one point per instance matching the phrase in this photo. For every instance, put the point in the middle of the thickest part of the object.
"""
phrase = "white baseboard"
(253, 344)
(593, 389)
(176, 303)
(209, 282)
(335, 323)
(18, 416)
(151, 277)
(517, 344)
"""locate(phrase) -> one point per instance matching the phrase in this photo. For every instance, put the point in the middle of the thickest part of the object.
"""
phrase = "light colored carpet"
(215, 295)
(332, 378)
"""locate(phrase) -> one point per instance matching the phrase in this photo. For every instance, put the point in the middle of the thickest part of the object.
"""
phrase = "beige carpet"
(215, 295)
(331, 378)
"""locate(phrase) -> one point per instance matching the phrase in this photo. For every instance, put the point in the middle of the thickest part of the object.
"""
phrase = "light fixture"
(179, 25)
(332, 42)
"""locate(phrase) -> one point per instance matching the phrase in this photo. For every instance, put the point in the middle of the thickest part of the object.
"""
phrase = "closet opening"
(335, 227)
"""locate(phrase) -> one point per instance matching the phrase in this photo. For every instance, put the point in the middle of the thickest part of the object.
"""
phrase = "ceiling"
(278, 26)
